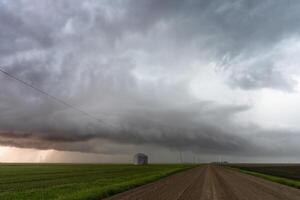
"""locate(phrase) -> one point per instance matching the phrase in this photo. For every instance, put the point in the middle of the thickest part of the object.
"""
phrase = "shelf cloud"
(199, 76)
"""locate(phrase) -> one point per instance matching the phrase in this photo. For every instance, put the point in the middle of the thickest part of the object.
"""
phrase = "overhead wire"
(57, 99)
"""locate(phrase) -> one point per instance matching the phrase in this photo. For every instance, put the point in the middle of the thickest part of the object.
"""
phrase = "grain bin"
(140, 159)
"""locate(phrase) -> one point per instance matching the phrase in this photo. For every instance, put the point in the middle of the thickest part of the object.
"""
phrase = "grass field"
(75, 181)
(287, 174)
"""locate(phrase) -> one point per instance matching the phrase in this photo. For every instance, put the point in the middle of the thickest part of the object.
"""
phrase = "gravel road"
(210, 183)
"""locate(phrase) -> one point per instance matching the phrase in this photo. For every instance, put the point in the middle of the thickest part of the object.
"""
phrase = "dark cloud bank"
(121, 62)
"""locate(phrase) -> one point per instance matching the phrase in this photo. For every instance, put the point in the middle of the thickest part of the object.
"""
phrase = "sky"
(211, 79)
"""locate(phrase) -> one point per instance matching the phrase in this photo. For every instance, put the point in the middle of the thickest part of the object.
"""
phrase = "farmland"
(288, 174)
(97, 181)
(76, 181)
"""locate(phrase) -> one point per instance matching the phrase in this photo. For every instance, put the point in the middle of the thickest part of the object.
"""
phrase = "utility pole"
(180, 157)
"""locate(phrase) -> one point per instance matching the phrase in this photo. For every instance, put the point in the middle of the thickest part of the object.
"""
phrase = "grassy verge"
(277, 179)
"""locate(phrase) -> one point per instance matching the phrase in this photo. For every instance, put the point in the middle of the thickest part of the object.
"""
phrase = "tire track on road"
(211, 183)
(160, 190)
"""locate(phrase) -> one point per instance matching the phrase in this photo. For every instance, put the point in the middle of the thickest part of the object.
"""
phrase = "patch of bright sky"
(12, 154)
(268, 108)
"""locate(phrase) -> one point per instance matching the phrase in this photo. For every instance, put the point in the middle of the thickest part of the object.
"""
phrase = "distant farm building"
(140, 159)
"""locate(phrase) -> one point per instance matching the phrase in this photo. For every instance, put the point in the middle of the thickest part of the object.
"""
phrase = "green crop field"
(76, 181)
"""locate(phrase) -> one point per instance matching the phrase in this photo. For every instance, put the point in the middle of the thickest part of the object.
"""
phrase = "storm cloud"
(144, 68)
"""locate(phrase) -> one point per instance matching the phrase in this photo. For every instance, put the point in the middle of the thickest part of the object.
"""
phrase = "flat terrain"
(75, 181)
(211, 183)
(291, 171)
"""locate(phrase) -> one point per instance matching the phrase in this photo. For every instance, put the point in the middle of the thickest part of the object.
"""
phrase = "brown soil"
(210, 183)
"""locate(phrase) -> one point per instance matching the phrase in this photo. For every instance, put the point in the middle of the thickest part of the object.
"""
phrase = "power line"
(56, 99)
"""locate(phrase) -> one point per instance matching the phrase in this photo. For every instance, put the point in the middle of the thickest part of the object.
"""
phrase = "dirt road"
(211, 183)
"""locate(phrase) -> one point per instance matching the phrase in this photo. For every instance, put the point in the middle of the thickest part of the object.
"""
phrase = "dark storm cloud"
(88, 53)
(206, 130)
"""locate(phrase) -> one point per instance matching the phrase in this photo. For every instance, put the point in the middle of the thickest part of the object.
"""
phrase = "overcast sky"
(209, 78)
